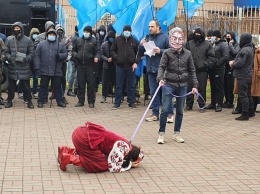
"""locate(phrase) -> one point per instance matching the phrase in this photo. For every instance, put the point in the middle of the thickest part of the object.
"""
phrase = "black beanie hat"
(216, 33)
(127, 28)
(209, 33)
(76, 29)
(198, 30)
(88, 29)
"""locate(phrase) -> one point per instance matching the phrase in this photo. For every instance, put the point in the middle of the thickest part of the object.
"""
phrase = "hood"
(110, 34)
(102, 27)
(51, 30)
(18, 24)
(59, 27)
(48, 24)
(110, 28)
(245, 39)
(233, 35)
(34, 31)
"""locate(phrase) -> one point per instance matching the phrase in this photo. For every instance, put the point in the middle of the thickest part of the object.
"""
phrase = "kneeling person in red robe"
(98, 150)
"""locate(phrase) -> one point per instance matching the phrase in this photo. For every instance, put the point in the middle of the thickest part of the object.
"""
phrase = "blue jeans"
(167, 91)
(122, 74)
(153, 84)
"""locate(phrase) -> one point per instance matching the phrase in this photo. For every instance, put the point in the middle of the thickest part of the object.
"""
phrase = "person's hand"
(231, 63)
(194, 90)
(58, 56)
(162, 83)
(95, 60)
(109, 59)
(142, 42)
(26, 60)
(157, 50)
(135, 164)
(134, 66)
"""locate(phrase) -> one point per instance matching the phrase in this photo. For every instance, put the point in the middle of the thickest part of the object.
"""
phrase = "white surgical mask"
(127, 34)
(51, 38)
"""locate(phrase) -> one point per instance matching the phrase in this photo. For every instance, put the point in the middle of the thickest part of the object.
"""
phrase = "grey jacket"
(176, 68)
(22, 44)
(45, 58)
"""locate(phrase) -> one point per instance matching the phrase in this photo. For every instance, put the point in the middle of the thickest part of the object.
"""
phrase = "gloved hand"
(58, 56)
(26, 60)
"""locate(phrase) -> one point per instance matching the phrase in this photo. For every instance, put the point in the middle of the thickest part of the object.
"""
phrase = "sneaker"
(40, 105)
(152, 118)
(35, 96)
(202, 110)
(65, 100)
(115, 107)
(79, 104)
(177, 138)
(91, 105)
(8, 104)
(103, 99)
(170, 119)
(30, 105)
(20, 95)
(61, 104)
(160, 139)
(132, 106)
(70, 93)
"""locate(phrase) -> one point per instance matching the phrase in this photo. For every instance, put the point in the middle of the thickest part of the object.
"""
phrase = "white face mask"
(102, 33)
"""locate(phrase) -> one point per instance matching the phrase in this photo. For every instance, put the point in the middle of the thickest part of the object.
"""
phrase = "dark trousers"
(25, 85)
(109, 78)
(63, 78)
(98, 73)
(44, 85)
(146, 84)
(86, 75)
(202, 79)
(244, 94)
(216, 78)
(229, 86)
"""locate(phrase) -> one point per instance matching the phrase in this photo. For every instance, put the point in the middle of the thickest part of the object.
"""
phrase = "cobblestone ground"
(220, 155)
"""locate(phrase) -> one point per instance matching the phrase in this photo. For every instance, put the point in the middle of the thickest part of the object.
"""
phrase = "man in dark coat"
(124, 51)
(217, 71)
(86, 52)
(19, 53)
(242, 70)
(49, 56)
(203, 55)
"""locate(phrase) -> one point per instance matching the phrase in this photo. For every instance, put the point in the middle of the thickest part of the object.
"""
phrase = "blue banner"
(166, 15)
(191, 6)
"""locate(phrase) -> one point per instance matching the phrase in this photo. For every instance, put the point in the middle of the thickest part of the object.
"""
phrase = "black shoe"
(228, 105)
(218, 108)
(70, 93)
(146, 97)
(61, 104)
(251, 112)
(115, 107)
(244, 117)
(103, 99)
(8, 104)
(234, 112)
(188, 107)
(40, 105)
(110, 95)
(210, 106)
(79, 104)
(91, 105)
(30, 105)
(1, 101)
(64, 100)
(132, 106)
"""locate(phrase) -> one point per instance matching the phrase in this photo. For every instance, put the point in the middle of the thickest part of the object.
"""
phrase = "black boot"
(210, 106)
(30, 105)
(251, 112)
(244, 117)
(218, 108)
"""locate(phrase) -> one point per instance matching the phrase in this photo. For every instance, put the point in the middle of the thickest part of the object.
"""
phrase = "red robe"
(93, 144)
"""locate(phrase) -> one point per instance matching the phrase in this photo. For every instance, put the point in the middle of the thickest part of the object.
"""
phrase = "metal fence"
(239, 20)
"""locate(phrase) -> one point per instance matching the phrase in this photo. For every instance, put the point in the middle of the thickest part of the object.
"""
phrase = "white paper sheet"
(149, 46)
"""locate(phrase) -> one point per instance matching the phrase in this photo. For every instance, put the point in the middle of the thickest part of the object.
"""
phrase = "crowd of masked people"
(99, 56)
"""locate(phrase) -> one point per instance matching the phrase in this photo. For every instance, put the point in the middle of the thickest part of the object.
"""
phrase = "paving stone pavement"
(220, 155)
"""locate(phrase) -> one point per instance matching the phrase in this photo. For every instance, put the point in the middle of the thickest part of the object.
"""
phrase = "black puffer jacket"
(85, 50)
(221, 54)
(244, 61)
(22, 44)
(176, 68)
(124, 51)
(105, 54)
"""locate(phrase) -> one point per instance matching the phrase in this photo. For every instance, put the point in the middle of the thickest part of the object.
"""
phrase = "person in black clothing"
(228, 78)
(19, 53)
(109, 68)
(203, 56)
(242, 69)
(217, 71)
(86, 52)
(124, 51)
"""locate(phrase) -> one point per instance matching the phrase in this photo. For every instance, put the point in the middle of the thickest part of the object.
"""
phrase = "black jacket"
(202, 53)
(221, 54)
(85, 50)
(105, 54)
(124, 51)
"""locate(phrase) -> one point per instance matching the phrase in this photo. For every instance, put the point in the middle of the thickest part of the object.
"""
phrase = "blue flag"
(166, 15)
(61, 16)
(144, 14)
(90, 11)
(191, 6)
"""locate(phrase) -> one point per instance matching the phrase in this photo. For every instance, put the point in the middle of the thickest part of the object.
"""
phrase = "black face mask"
(60, 34)
(197, 37)
(17, 32)
(228, 40)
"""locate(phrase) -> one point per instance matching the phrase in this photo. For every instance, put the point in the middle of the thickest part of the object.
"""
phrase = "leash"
(198, 95)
